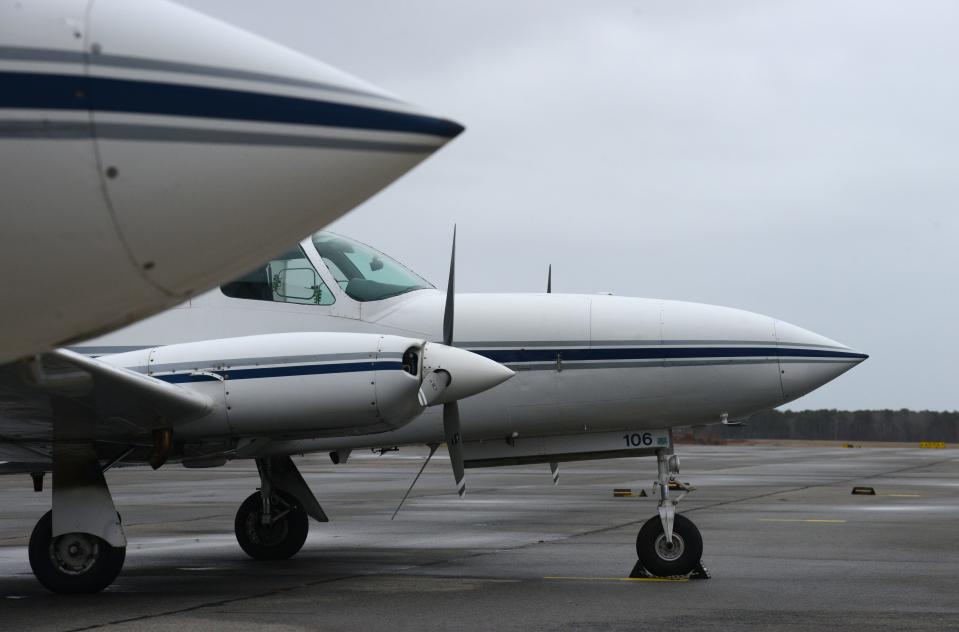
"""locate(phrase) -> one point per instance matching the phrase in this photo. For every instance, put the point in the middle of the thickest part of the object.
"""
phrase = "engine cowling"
(311, 384)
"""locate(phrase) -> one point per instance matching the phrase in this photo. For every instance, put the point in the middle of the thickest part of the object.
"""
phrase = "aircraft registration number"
(637, 439)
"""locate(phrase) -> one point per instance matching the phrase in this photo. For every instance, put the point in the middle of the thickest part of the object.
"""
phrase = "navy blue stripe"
(285, 371)
(512, 356)
(74, 92)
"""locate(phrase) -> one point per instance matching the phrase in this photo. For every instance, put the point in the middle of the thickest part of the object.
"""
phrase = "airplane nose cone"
(470, 373)
(808, 360)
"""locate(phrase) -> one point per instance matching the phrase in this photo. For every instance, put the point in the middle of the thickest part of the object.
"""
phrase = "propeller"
(549, 280)
(451, 411)
(450, 374)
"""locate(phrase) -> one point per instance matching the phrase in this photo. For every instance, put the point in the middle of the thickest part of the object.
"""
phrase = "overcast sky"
(797, 159)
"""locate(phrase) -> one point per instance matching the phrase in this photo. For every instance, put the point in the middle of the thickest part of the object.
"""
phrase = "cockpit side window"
(290, 278)
(338, 275)
(364, 273)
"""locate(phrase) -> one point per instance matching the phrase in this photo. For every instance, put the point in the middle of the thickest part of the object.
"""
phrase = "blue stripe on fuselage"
(519, 356)
(513, 356)
(76, 92)
(282, 371)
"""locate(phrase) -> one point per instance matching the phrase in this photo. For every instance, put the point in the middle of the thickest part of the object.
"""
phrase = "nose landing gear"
(667, 558)
(669, 544)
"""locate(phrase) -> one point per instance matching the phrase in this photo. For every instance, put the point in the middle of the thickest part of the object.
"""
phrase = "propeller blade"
(451, 411)
(454, 443)
(549, 280)
(433, 386)
(450, 297)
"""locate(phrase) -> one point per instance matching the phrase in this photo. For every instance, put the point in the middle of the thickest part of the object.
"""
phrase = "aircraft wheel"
(279, 540)
(73, 562)
(663, 558)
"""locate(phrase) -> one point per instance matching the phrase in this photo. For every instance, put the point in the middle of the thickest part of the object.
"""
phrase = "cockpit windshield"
(364, 273)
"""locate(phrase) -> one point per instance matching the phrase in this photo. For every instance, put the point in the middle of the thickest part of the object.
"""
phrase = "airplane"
(148, 152)
(597, 376)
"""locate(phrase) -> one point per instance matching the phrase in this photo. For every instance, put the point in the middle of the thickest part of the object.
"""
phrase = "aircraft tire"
(663, 559)
(73, 562)
(279, 541)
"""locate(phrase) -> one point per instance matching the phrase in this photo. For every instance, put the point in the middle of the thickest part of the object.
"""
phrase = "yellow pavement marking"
(823, 521)
(903, 495)
(624, 579)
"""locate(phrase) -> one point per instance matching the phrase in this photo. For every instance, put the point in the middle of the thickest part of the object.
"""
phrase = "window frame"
(336, 295)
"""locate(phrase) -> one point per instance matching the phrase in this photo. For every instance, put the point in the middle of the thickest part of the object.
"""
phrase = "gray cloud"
(798, 159)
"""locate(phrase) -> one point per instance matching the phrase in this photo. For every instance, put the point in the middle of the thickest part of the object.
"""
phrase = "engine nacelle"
(308, 384)
(297, 384)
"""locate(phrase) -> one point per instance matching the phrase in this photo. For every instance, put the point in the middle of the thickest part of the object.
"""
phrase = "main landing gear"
(78, 546)
(272, 523)
(669, 544)
(73, 562)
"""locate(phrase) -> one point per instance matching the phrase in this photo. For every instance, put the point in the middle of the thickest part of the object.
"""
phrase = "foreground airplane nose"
(230, 144)
(808, 360)
(151, 152)
(470, 373)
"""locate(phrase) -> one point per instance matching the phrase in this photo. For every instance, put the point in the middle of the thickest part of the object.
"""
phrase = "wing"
(138, 399)
(120, 401)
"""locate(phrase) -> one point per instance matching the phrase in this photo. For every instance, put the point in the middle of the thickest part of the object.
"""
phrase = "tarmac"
(789, 547)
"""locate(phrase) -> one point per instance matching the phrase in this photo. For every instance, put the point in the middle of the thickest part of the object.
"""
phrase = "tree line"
(839, 425)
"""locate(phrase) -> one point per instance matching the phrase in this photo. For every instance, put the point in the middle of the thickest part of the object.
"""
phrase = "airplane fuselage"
(584, 363)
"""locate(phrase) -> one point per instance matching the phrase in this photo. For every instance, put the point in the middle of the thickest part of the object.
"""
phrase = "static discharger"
(863, 491)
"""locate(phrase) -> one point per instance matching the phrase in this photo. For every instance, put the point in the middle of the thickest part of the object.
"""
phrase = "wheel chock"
(700, 572)
(640, 572)
(863, 491)
(642, 493)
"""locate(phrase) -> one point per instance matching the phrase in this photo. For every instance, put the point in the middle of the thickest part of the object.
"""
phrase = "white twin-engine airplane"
(148, 152)
(595, 377)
